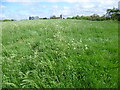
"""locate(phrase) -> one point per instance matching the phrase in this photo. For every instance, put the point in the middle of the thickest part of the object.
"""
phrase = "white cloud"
(84, 7)
(18, 0)
(43, 6)
(88, 6)
(2, 6)
(65, 7)
(69, 1)
(32, 8)
(80, 7)
(86, 3)
(65, 10)
(27, 3)
(2, 16)
(55, 6)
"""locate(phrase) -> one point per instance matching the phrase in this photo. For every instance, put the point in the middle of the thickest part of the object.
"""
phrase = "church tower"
(61, 16)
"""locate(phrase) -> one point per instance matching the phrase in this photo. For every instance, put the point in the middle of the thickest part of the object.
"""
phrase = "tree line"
(7, 20)
(111, 14)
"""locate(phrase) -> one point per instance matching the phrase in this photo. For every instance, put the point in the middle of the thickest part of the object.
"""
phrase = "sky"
(22, 9)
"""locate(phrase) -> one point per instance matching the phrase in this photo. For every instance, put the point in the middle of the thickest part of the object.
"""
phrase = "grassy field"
(60, 53)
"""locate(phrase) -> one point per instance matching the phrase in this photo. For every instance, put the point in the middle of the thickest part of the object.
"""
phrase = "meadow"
(60, 54)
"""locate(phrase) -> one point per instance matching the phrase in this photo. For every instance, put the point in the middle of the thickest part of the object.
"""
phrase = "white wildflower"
(80, 41)
(74, 48)
(86, 47)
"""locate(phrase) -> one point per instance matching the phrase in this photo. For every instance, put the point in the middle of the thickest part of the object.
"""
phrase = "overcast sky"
(22, 9)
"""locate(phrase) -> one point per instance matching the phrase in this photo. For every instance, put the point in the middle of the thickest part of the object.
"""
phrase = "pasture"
(60, 54)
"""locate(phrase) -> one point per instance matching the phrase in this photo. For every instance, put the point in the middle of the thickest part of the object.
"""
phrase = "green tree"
(53, 17)
(113, 13)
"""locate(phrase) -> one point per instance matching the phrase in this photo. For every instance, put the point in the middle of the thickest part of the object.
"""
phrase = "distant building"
(33, 18)
(36, 17)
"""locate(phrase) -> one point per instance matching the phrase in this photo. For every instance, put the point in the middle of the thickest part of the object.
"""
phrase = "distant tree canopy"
(7, 20)
(44, 18)
(69, 18)
(111, 14)
(53, 17)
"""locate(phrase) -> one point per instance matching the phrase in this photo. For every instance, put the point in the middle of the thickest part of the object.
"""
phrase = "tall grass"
(0, 56)
(60, 53)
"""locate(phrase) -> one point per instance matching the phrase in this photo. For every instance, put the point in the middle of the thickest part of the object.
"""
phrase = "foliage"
(45, 18)
(7, 20)
(69, 18)
(53, 17)
(111, 14)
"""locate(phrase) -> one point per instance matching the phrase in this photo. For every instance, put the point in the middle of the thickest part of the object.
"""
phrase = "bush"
(53, 17)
